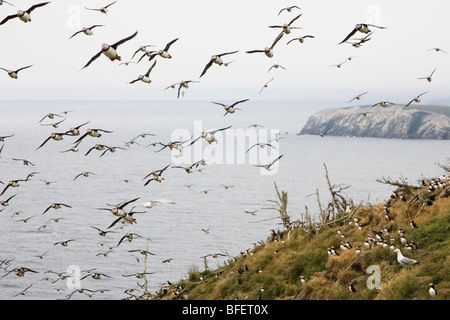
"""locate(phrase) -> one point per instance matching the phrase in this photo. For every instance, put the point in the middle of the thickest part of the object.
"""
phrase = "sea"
(224, 207)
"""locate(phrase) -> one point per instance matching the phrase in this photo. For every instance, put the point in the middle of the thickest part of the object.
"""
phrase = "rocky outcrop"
(393, 122)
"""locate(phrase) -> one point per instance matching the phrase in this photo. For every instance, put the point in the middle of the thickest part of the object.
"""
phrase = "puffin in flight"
(24, 15)
(217, 59)
(14, 73)
(361, 27)
(102, 9)
(87, 31)
(110, 50)
(144, 78)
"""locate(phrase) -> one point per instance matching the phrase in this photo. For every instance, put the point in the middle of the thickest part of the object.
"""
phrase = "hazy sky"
(387, 66)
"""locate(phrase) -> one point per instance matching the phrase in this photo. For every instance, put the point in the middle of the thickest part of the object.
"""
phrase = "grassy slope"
(276, 267)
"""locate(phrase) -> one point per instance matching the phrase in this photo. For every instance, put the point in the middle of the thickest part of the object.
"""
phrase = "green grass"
(328, 277)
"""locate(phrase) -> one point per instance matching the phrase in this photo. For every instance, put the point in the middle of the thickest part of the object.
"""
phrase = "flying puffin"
(14, 73)
(361, 27)
(23, 15)
(87, 31)
(217, 59)
(268, 51)
(144, 78)
(110, 50)
(102, 9)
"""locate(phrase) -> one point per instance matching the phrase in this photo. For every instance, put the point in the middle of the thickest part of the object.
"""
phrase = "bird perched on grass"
(404, 261)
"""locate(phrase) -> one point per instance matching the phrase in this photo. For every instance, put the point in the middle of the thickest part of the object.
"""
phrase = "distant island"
(394, 122)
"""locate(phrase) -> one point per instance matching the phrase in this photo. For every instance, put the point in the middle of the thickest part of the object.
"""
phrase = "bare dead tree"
(281, 207)
(446, 168)
(338, 203)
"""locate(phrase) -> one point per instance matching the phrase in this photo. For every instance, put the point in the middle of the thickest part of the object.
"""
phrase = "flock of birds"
(111, 51)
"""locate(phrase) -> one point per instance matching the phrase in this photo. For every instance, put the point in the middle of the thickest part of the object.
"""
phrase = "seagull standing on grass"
(404, 261)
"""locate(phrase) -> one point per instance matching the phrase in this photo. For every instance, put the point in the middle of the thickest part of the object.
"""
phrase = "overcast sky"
(388, 65)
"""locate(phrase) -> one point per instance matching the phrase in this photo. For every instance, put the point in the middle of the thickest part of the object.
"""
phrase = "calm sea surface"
(170, 230)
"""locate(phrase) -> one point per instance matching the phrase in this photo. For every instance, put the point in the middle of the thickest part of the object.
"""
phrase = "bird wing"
(240, 101)
(193, 141)
(127, 202)
(45, 141)
(179, 90)
(92, 59)
(169, 44)
(372, 25)
(218, 103)
(217, 130)
(251, 147)
(295, 18)
(409, 103)
(226, 53)
(110, 4)
(276, 160)
(96, 25)
(102, 130)
(7, 186)
(118, 43)
(36, 6)
(276, 40)
(114, 222)
(8, 18)
(121, 239)
(208, 65)
(254, 51)
(408, 261)
(432, 72)
(75, 34)
(150, 69)
(349, 36)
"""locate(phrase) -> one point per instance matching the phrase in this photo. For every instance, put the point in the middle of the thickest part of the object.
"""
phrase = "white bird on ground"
(404, 261)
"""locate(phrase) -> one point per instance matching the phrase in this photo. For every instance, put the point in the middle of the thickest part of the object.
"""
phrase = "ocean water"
(170, 230)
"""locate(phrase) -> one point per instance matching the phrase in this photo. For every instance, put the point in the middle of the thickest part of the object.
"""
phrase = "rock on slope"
(391, 122)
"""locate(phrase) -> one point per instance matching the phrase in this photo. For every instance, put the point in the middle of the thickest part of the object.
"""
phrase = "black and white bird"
(14, 73)
(144, 78)
(209, 136)
(432, 290)
(288, 9)
(215, 59)
(86, 30)
(56, 206)
(286, 27)
(268, 51)
(351, 287)
(437, 50)
(361, 27)
(110, 51)
(413, 224)
(268, 166)
(358, 97)
(24, 15)
(163, 53)
(429, 78)
(103, 9)
(95, 133)
(230, 108)
(416, 99)
(301, 39)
